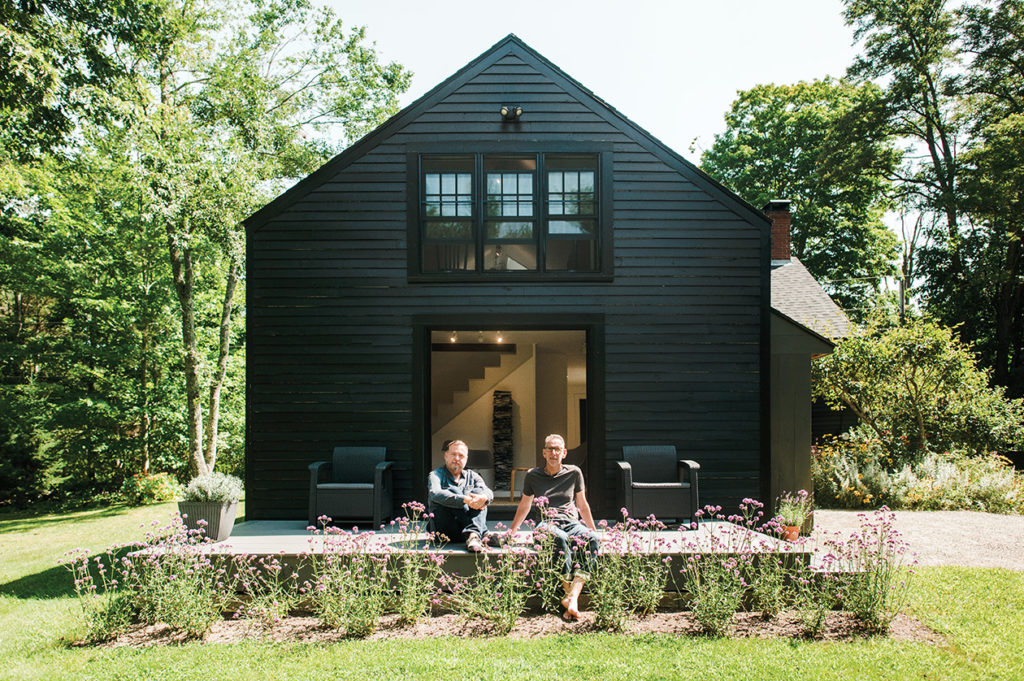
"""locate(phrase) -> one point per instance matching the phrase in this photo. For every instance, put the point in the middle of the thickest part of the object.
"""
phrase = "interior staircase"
(451, 400)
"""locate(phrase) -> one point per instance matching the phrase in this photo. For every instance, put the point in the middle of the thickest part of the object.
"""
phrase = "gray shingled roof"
(798, 295)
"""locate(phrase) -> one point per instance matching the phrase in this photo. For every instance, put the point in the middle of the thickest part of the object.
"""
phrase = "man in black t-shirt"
(555, 495)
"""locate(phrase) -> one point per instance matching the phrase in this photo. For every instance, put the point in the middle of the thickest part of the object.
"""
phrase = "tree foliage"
(817, 144)
(919, 388)
(954, 90)
(121, 258)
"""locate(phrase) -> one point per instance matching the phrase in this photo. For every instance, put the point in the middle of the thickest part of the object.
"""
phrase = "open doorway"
(502, 392)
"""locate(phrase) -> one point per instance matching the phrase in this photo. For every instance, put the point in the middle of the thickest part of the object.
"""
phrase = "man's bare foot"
(572, 609)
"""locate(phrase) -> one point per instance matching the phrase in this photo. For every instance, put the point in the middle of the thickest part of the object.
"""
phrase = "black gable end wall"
(329, 307)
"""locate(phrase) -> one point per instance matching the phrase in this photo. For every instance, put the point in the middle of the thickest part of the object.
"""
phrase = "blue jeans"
(458, 523)
(576, 546)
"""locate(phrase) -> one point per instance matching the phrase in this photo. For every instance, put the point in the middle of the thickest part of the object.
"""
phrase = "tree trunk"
(144, 401)
(181, 267)
(213, 417)
(1006, 303)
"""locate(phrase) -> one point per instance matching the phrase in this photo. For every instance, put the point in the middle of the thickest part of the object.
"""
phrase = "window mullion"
(540, 210)
(479, 205)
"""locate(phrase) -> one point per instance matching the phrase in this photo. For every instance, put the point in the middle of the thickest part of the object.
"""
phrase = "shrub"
(167, 578)
(178, 582)
(498, 592)
(918, 388)
(416, 571)
(716, 587)
(214, 487)
(857, 474)
(875, 579)
(106, 610)
(630, 577)
(350, 583)
(270, 589)
(150, 489)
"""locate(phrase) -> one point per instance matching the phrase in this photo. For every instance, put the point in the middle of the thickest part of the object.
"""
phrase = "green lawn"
(978, 611)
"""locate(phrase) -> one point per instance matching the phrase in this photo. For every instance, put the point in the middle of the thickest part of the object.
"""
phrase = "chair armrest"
(626, 484)
(688, 471)
(382, 474)
(320, 471)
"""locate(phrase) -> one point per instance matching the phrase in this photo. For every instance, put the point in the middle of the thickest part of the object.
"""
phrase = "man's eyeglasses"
(554, 449)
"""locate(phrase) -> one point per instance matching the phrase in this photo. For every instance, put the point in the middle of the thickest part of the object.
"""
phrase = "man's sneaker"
(474, 544)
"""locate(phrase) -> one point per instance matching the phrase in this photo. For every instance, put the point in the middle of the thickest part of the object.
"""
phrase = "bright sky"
(673, 67)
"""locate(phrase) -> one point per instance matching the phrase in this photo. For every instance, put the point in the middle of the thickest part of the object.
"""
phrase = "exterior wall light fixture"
(511, 112)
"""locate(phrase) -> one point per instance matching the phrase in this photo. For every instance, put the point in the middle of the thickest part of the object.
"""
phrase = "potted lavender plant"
(211, 498)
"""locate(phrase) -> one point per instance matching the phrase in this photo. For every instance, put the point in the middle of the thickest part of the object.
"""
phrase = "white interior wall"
(473, 425)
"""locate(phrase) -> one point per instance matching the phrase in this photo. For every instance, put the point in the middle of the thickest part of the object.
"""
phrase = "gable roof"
(511, 44)
(798, 296)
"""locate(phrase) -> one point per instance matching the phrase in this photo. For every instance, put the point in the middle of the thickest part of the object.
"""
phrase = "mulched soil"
(840, 626)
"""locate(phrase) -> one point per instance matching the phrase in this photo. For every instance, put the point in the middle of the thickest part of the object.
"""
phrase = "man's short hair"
(451, 443)
(554, 435)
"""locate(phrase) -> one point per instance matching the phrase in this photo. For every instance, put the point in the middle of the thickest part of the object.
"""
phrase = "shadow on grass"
(23, 520)
(53, 583)
(56, 582)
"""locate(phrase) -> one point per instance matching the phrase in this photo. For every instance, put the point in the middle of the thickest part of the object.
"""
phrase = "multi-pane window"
(448, 240)
(509, 213)
(510, 225)
(572, 213)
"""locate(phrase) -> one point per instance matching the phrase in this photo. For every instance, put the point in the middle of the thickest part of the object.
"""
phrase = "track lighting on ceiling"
(499, 337)
(454, 337)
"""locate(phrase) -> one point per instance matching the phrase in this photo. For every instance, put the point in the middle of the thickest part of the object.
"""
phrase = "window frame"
(603, 208)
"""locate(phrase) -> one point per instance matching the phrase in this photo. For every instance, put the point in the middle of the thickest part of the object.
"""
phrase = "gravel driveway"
(965, 538)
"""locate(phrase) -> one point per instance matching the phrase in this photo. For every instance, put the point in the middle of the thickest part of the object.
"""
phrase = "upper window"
(509, 213)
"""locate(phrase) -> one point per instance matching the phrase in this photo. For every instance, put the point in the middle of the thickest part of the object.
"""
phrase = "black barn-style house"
(508, 257)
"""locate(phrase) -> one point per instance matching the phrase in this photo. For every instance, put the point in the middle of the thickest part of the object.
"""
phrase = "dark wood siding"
(330, 310)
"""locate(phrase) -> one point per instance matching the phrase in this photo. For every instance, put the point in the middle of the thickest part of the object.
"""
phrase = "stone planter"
(219, 517)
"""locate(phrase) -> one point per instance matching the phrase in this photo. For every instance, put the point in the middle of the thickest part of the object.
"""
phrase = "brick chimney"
(778, 212)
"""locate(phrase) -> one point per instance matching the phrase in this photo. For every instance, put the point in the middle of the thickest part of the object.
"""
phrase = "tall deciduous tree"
(121, 257)
(954, 88)
(911, 45)
(222, 106)
(820, 145)
(57, 58)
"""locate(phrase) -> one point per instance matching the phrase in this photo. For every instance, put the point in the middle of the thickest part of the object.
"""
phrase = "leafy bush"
(852, 473)
(416, 571)
(631, 575)
(350, 584)
(716, 587)
(214, 487)
(870, 565)
(498, 592)
(918, 389)
(167, 578)
(150, 489)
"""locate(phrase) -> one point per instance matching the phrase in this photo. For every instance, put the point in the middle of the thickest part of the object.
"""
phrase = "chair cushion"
(661, 485)
(345, 485)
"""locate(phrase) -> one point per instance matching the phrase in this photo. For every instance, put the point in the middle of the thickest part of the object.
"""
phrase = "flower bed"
(171, 582)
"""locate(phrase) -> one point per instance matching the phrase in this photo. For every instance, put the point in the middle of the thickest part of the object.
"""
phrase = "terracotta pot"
(792, 532)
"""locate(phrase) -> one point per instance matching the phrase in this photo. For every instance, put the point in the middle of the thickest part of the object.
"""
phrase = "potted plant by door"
(212, 498)
(792, 512)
